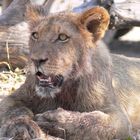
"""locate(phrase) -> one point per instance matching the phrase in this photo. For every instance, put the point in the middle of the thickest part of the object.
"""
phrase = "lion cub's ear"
(34, 13)
(96, 20)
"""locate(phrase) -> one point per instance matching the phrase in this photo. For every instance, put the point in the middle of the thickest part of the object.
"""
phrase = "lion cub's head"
(61, 45)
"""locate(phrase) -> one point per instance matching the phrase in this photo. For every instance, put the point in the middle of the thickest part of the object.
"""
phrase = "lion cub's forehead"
(63, 20)
(63, 16)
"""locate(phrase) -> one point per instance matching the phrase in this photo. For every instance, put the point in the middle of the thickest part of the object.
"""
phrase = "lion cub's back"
(127, 69)
(126, 81)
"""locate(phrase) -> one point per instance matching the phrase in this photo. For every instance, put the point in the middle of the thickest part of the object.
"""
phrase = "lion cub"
(98, 93)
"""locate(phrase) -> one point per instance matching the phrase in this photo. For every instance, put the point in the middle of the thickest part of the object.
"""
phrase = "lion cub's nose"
(38, 62)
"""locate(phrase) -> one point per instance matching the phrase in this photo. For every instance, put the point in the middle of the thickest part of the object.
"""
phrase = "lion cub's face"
(59, 46)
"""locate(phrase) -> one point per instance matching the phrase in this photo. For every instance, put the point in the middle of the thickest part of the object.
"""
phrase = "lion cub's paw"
(21, 128)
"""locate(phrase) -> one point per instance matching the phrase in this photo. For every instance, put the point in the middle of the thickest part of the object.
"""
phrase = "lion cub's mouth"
(51, 81)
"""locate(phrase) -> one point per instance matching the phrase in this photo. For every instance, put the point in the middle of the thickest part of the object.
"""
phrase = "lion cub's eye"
(34, 35)
(63, 37)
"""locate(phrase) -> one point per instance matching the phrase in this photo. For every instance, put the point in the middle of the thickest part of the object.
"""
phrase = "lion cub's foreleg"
(16, 121)
(94, 125)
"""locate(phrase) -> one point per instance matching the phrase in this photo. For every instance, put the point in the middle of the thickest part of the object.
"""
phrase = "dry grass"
(10, 81)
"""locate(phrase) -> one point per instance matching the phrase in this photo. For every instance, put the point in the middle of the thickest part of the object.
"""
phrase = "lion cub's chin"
(46, 92)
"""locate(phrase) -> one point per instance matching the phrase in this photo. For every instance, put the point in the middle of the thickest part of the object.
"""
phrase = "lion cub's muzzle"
(50, 81)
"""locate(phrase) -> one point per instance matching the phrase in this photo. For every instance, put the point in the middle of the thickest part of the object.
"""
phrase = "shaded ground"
(127, 48)
(128, 44)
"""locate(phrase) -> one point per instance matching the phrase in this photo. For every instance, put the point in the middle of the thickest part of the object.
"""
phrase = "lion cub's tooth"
(48, 79)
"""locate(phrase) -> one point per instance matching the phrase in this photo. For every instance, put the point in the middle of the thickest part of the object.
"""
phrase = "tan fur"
(104, 93)
(100, 22)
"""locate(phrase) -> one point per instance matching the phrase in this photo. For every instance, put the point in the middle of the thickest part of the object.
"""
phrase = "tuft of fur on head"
(34, 13)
